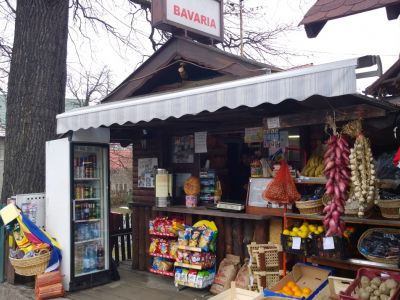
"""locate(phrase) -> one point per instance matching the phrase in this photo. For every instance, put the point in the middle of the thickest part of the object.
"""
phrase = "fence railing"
(121, 236)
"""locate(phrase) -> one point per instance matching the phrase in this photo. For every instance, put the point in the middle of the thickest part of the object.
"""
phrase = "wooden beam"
(352, 112)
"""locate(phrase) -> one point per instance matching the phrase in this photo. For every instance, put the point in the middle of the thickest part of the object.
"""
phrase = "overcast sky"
(353, 36)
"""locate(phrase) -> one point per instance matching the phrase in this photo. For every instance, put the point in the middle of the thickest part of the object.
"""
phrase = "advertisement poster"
(253, 135)
(146, 172)
(183, 149)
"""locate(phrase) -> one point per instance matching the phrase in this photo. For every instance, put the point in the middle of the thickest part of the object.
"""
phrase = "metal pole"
(241, 26)
(2, 249)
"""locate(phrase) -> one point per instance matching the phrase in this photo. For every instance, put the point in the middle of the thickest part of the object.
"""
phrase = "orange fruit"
(296, 289)
(289, 293)
(306, 291)
(291, 284)
(298, 294)
(286, 289)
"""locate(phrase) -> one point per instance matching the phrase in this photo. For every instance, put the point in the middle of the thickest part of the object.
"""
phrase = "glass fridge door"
(90, 209)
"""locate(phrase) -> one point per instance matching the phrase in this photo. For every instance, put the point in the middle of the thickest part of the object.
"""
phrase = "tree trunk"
(36, 92)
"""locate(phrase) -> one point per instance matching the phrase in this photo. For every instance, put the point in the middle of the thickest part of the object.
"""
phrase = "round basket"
(385, 260)
(310, 207)
(390, 208)
(31, 266)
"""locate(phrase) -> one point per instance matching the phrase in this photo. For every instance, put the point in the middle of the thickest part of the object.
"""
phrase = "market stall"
(211, 152)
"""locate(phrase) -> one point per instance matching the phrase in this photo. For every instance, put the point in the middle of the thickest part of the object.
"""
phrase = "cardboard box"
(304, 275)
(235, 293)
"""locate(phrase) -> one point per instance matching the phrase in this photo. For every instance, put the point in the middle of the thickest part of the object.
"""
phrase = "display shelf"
(163, 234)
(86, 179)
(164, 273)
(188, 266)
(352, 220)
(86, 221)
(191, 285)
(351, 264)
(162, 255)
(87, 199)
(195, 249)
(310, 180)
(88, 241)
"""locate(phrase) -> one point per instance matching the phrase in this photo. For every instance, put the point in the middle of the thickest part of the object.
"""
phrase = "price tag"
(328, 243)
(296, 243)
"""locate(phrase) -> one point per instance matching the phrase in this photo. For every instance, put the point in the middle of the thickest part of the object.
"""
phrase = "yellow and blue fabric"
(38, 236)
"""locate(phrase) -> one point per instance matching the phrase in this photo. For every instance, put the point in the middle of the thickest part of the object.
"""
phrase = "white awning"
(333, 79)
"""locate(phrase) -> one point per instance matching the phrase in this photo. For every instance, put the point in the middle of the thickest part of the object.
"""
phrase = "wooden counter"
(235, 230)
(201, 210)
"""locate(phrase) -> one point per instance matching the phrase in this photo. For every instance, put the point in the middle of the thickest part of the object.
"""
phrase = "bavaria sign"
(197, 18)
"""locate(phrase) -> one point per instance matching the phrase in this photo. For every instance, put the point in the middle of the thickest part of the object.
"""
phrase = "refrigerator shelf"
(85, 221)
(87, 273)
(87, 199)
(86, 179)
(88, 241)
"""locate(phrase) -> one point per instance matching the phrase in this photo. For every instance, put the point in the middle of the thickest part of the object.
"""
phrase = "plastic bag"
(282, 188)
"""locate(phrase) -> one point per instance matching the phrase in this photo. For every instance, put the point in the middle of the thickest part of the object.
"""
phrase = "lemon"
(303, 234)
(286, 232)
(311, 228)
(304, 227)
(320, 229)
(292, 233)
(295, 229)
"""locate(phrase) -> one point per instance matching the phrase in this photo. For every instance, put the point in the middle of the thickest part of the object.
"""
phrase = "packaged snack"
(192, 277)
(179, 256)
(183, 237)
(153, 246)
(205, 239)
(186, 257)
(165, 265)
(201, 279)
(197, 258)
(163, 247)
(194, 238)
(156, 263)
(184, 275)
(178, 272)
(173, 248)
(177, 226)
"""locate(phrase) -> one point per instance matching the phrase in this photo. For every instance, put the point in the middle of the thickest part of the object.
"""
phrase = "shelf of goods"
(188, 266)
(350, 263)
(164, 273)
(161, 255)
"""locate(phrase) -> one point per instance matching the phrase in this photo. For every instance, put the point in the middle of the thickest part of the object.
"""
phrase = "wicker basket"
(310, 207)
(390, 208)
(31, 266)
(385, 260)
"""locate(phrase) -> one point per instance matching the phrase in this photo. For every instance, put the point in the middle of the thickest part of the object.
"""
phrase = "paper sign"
(253, 135)
(328, 243)
(296, 243)
(273, 123)
(200, 142)
(9, 213)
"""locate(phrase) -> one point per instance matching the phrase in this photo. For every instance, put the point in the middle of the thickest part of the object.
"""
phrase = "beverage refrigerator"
(77, 210)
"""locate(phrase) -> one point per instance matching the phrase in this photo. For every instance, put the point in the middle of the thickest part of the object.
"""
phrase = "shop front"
(223, 139)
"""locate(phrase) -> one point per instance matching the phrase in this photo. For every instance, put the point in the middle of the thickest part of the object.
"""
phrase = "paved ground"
(138, 285)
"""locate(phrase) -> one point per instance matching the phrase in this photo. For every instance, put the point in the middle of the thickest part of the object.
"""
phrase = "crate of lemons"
(292, 289)
(305, 232)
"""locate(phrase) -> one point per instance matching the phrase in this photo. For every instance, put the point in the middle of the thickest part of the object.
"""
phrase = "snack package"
(205, 239)
(177, 226)
(226, 273)
(201, 279)
(192, 277)
(178, 272)
(173, 248)
(197, 259)
(154, 246)
(165, 265)
(184, 275)
(186, 257)
(179, 256)
(184, 236)
(194, 238)
(163, 247)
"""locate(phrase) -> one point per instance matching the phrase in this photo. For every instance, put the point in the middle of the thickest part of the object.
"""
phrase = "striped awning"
(329, 80)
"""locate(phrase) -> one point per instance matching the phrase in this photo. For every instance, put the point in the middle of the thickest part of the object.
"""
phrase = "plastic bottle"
(86, 261)
(92, 257)
(100, 257)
